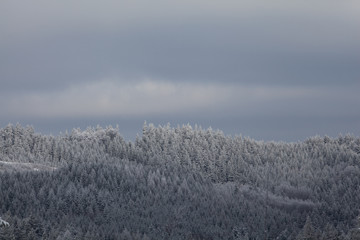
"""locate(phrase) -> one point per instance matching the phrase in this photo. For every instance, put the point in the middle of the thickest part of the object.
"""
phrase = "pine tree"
(355, 232)
(330, 233)
(308, 232)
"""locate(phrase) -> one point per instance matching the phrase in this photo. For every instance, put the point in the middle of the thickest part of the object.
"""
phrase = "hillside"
(176, 183)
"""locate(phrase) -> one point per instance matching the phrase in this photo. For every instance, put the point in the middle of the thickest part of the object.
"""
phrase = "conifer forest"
(180, 182)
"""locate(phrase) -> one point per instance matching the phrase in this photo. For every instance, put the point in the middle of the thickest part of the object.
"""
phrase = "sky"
(270, 70)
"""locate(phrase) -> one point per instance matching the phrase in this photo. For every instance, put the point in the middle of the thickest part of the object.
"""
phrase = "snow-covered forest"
(176, 183)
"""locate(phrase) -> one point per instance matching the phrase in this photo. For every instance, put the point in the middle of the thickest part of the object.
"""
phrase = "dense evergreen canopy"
(176, 183)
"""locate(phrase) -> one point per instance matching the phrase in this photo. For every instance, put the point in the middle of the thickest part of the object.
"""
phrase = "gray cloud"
(187, 53)
(186, 60)
(110, 98)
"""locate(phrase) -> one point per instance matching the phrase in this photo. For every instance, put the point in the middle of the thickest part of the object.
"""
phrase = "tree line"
(177, 183)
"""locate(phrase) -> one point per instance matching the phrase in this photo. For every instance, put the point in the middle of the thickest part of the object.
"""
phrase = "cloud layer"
(196, 61)
(110, 98)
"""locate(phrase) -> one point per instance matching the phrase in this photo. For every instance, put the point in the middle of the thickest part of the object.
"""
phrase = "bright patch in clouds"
(109, 98)
(148, 97)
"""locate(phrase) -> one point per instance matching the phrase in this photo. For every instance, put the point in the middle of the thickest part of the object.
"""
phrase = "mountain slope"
(176, 183)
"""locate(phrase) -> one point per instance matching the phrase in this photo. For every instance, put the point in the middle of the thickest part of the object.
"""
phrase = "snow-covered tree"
(3, 223)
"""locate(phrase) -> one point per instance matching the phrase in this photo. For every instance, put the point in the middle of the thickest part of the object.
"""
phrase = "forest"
(180, 182)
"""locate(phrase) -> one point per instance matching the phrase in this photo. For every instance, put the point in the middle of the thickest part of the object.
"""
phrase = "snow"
(3, 223)
(18, 166)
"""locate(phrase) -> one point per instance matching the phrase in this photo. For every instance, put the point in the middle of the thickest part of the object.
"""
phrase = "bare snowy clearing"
(16, 166)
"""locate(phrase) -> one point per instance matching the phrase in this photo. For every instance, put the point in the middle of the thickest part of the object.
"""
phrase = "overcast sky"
(271, 70)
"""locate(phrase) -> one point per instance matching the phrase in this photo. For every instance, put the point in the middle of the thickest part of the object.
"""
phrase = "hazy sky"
(271, 70)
